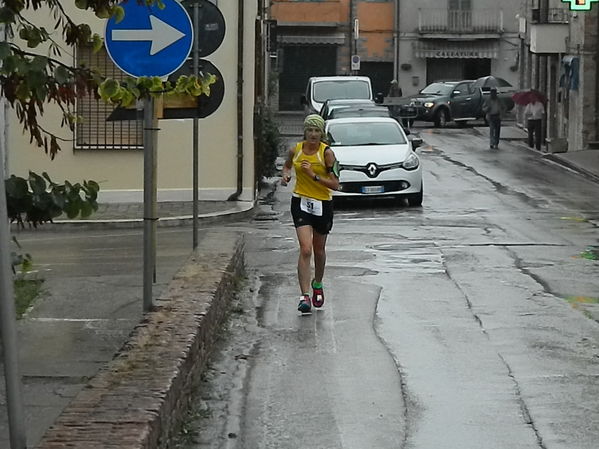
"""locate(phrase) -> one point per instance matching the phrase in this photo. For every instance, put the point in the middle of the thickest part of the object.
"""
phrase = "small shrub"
(269, 143)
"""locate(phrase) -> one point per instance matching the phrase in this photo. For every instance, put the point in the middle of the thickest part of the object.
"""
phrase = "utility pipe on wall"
(350, 31)
(396, 41)
(240, 37)
(597, 77)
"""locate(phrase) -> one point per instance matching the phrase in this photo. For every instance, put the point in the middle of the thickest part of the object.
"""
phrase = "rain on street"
(468, 323)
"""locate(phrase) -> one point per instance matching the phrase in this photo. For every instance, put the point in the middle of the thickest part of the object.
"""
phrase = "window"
(460, 15)
(95, 133)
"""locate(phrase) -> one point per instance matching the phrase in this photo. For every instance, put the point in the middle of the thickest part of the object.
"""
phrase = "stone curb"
(138, 400)
(137, 223)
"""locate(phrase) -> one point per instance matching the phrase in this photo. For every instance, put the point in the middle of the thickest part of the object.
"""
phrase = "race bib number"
(311, 206)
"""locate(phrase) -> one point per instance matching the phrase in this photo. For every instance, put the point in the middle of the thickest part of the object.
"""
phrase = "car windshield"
(327, 90)
(438, 89)
(359, 112)
(365, 133)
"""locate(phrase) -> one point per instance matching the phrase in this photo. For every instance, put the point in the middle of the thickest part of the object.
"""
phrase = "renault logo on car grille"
(372, 169)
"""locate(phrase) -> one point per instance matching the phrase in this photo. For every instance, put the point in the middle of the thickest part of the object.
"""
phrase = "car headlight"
(412, 162)
(429, 104)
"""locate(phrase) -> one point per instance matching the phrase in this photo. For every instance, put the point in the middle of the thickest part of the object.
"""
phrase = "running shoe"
(304, 305)
(317, 295)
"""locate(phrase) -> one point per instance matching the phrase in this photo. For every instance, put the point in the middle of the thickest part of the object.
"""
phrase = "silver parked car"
(331, 106)
(376, 159)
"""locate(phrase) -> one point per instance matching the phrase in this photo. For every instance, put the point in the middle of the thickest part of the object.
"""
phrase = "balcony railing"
(459, 21)
(554, 15)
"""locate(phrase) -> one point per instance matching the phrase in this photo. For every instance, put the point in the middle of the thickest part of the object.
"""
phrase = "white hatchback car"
(376, 159)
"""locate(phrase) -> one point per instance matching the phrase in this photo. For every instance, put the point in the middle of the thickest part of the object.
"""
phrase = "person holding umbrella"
(534, 113)
(494, 110)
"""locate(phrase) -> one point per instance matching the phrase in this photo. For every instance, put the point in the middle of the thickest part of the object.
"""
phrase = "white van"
(323, 88)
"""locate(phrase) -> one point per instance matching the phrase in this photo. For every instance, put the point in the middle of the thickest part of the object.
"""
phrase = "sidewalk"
(585, 162)
(79, 389)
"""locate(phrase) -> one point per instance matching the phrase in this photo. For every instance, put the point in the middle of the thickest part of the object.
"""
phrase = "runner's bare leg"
(320, 256)
(304, 271)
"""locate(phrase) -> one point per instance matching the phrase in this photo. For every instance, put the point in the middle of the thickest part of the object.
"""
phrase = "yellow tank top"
(304, 185)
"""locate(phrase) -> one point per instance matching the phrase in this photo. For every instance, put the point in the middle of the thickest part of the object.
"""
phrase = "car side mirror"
(416, 142)
(303, 100)
(379, 98)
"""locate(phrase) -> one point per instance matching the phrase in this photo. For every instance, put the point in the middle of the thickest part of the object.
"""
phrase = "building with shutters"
(111, 152)
(414, 42)
(319, 38)
(560, 57)
(457, 39)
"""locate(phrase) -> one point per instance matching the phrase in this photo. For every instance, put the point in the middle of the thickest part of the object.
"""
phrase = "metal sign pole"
(14, 397)
(196, 132)
(150, 218)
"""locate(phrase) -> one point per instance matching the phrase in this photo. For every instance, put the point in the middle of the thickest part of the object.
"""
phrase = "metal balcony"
(554, 15)
(439, 22)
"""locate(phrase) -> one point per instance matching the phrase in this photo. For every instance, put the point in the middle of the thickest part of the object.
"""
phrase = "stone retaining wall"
(138, 399)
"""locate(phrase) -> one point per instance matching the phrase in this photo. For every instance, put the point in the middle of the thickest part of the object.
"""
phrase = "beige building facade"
(112, 153)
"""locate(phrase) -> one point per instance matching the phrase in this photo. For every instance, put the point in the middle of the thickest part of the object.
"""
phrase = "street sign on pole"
(149, 41)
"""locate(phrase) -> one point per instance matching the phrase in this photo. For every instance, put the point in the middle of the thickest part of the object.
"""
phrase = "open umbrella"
(486, 82)
(528, 96)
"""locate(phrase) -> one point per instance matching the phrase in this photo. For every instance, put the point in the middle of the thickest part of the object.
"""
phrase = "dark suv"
(443, 101)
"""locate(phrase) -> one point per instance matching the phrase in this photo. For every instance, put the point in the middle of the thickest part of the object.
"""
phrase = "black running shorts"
(321, 224)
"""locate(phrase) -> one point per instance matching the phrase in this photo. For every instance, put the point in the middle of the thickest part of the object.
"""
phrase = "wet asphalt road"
(468, 323)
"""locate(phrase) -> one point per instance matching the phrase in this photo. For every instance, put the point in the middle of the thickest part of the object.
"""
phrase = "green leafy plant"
(37, 199)
(30, 78)
(26, 290)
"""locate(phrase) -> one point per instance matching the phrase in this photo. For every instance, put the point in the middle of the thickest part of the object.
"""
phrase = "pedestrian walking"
(394, 92)
(394, 89)
(534, 113)
(494, 109)
(316, 176)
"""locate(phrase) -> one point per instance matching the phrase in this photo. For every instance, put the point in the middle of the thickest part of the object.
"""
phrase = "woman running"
(317, 175)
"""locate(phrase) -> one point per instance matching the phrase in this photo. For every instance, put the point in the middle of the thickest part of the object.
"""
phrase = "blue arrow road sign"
(149, 41)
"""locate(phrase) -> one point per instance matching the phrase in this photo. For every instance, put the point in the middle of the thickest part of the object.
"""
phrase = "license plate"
(407, 112)
(373, 189)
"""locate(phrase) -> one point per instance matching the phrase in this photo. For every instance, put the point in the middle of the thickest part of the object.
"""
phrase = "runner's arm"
(332, 181)
(287, 166)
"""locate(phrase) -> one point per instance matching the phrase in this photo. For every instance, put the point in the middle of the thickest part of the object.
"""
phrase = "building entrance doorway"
(299, 64)
(456, 68)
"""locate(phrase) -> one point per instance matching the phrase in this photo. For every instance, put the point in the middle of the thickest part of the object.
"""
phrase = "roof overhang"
(310, 39)
(459, 49)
